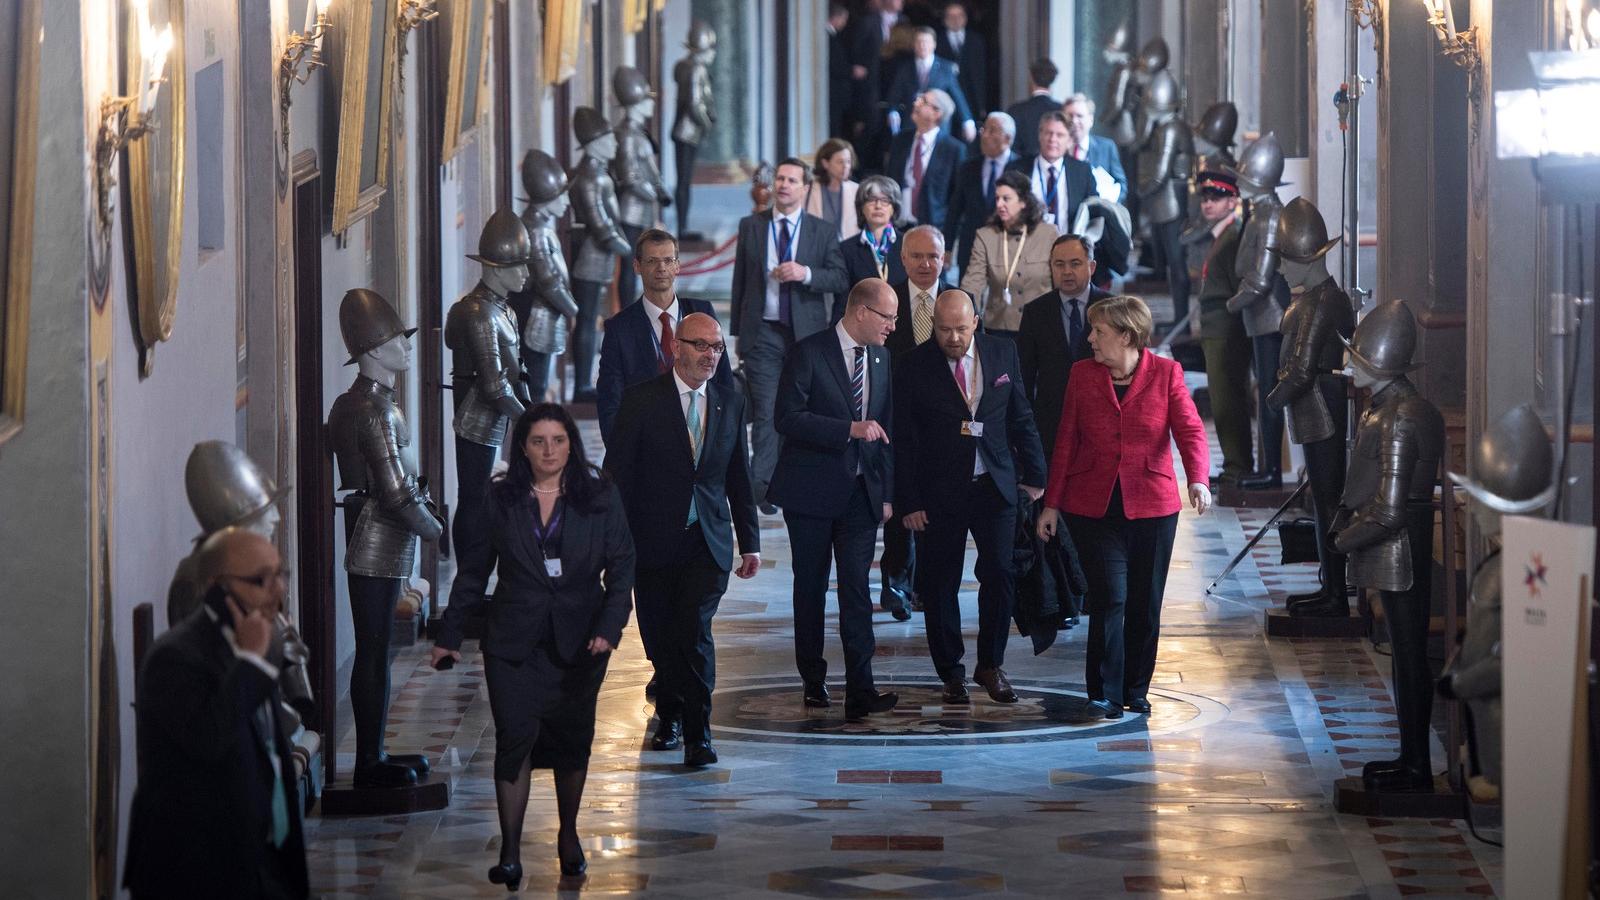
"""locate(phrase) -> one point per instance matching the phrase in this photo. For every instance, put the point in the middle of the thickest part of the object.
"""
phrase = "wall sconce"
(124, 120)
(412, 14)
(303, 47)
(1461, 48)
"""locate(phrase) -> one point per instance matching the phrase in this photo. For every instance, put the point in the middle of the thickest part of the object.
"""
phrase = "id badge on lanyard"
(552, 567)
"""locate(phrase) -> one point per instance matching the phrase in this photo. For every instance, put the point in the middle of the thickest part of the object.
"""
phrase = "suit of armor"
(1168, 165)
(546, 328)
(368, 432)
(696, 113)
(1262, 291)
(484, 371)
(639, 187)
(1120, 121)
(1474, 676)
(594, 204)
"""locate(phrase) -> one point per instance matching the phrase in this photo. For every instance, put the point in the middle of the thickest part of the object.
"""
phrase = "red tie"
(961, 378)
(916, 177)
(668, 343)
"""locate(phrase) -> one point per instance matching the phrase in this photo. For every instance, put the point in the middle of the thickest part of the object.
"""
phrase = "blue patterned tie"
(858, 383)
(692, 419)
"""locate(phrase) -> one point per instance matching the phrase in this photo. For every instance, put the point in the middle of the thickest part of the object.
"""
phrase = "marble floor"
(1225, 788)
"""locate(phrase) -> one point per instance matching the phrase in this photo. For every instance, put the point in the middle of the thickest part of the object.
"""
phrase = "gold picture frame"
(466, 24)
(22, 139)
(155, 179)
(364, 48)
(563, 33)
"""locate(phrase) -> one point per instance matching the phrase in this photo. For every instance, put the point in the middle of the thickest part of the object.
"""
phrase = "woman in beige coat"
(832, 195)
(1010, 262)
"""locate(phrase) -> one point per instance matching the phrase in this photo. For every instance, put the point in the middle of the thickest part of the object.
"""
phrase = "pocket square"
(1003, 379)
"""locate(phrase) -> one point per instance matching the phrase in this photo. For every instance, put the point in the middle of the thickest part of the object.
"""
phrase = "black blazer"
(816, 470)
(1027, 114)
(969, 206)
(900, 340)
(860, 264)
(590, 598)
(934, 200)
(629, 355)
(1047, 360)
(653, 465)
(933, 461)
(972, 63)
(1079, 177)
(903, 90)
(202, 810)
(817, 246)
(863, 39)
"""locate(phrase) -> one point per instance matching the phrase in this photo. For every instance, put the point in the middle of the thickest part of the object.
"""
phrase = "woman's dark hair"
(1032, 210)
(582, 483)
(829, 149)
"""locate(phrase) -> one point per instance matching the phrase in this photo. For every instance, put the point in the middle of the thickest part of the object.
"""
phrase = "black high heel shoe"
(508, 874)
(572, 868)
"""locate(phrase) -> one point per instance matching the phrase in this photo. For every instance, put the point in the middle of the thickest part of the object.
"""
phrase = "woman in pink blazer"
(1111, 477)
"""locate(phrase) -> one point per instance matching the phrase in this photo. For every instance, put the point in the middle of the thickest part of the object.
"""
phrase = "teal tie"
(280, 805)
(692, 417)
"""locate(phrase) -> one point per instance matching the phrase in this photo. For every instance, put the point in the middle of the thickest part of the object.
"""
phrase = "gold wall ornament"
(412, 14)
(154, 163)
(22, 137)
(363, 50)
(466, 24)
(563, 34)
(1461, 48)
(302, 55)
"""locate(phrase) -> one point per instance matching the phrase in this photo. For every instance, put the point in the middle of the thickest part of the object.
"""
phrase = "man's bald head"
(694, 365)
(868, 289)
(235, 559)
(954, 322)
(870, 312)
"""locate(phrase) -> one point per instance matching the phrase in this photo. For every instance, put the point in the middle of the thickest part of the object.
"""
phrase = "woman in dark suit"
(1111, 474)
(875, 252)
(560, 534)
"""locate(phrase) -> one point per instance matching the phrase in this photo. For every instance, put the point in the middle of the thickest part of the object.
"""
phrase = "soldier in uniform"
(1515, 469)
(545, 305)
(1309, 394)
(226, 489)
(1385, 525)
(1263, 295)
(485, 371)
(695, 115)
(594, 200)
(640, 191)
(1167, 161)
(386, 512)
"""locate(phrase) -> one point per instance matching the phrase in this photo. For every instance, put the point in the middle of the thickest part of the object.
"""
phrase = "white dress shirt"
(921, 145)
(774, 231)
(974, 384)
(957, 39)
(699, 393)
(886, 23)
(847, 346)
(923, 67)
(1056, 215)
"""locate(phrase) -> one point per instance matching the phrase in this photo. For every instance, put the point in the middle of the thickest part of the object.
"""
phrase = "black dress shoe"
(416, 762)
(955, 692)
(699, 755)
(900, 613)
(768, 508)
(1105, 708)
(586, 395)
(1139, 705)
(668, 736)
(1321, 607)
(651, 687)
(1261, 481)
(1395, 777)
(858, 708)
(994, 681)
(816, 695)
(384, 775)
(574, 865)
(508, 874)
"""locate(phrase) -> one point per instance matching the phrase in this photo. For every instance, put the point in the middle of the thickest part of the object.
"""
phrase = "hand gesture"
(252, 631)
(1199, 498)
(789, 271)
(868, 430)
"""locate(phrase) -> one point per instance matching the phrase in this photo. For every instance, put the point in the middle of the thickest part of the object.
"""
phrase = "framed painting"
(154, 176)
(466, 25)
(365, 50)
(19, 139)
(563, 32)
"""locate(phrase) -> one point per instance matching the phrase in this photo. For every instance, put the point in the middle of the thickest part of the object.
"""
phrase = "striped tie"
(858, 383)
(922, 318)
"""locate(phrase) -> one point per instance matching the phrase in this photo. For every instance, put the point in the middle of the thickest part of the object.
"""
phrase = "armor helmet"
(1385, 340)
(1218, 125)
(1161, 97)
(1261, 164)
(542, 177)
(588, 124)
(1302, 235)
(504, 242)
(1514, 463)
(225, 486)
(367, 322)
(630, 86)
(701, 37)
(1117, 43)
(1154, 55)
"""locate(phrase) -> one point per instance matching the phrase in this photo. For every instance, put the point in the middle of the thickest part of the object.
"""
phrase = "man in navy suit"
(924, 159)
(638, 341)
(1041, 74)
(972, 191)
(785, 265)
(1054, 334)
(1098, 152)
(865, 41)
(679, 463)
(834, 481)
(965, 443)
(969, 51)
(1059, 181)
(926, 72)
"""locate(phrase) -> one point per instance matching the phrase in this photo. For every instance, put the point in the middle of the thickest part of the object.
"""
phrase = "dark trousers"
(1266, 350)
(1325, 467)
(816, 541)
(992, 523)
(628, 287)
(1406, 613)
(1126, 563)
(1168, 236)
(684, 155)
(761, 359)
(1228, 361)
(898, 564)
(372, 603)
(469, 531)
(678, 602)
(538, 366)
(589, 295)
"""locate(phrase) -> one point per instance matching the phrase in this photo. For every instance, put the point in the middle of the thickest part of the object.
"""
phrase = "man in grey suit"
(786, 264)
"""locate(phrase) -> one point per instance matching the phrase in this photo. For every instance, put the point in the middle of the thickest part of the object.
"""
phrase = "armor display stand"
(640, 190)
(545, 307)
(695, 115)
(594, 266)
(387, 510)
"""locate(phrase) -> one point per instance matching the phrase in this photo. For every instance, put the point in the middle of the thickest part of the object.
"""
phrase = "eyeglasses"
(885, 316)
(718, 348)
(281, 576)
(652, 262)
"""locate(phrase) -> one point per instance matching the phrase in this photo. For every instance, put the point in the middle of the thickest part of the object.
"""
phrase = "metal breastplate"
(1119, 122)
(1256, 265)
(545, 330)
(1476, 671)
(369, 432)
(1395, 464)
(694, 101)
(636, 176)
(594, 203)
(1323, 312)
(1169, 158)
(481, 334)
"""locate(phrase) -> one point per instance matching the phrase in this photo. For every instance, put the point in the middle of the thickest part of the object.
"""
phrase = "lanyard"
(1005, 242)
(544, 533)
(1049, 198)
(794, 235)
(880, 249)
